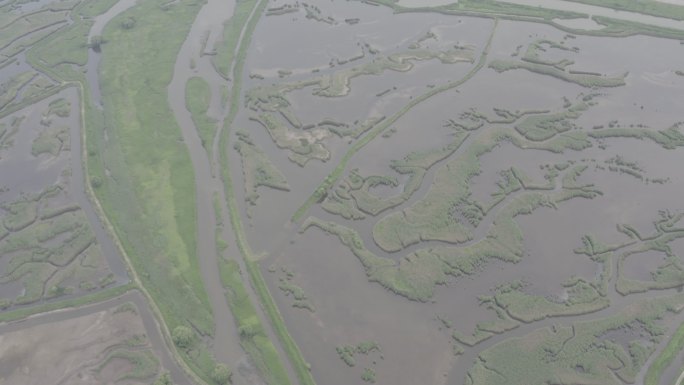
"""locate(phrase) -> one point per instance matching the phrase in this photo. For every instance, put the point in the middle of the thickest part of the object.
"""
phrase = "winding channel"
(601, 11)
(94, 57)
(227, 345)
(227, 348)
(208, 184)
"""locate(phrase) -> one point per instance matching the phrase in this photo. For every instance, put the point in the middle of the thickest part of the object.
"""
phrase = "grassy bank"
(665, 358)
(99, 296)
(288, 344)
(508, 11)
(647, 7)
(147, 181)
(225, 49)
(253, 337)
(295, 356)
(197, 99)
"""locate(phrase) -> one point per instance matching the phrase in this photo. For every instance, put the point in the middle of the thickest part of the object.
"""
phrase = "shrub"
(182, 336)
(221, 374)
(96, 181)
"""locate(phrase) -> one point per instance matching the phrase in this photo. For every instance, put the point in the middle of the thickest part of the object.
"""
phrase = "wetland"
(341, 192)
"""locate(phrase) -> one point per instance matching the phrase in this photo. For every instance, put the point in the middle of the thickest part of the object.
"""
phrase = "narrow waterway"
(94, 57)
(226, 339)
(209, 25)
(24, 173)
(77, 189)
(593, 10)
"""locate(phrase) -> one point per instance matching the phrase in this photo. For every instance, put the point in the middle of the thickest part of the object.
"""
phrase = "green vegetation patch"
(197, 100)
(303, 145)
(504, 8)
(545, 126)
(306, 143)
(301, 367)
(584, 353)
(665, 357)
(9, 89)
(60, 107)
(447, 212)
(368, 375)
(417, 274)
(669, 138)
(99, 296)
(582, 79)
(484, 329)
(518, 12)
(225, 49)
(71, 48)
(50, 252)
(647, 7)
(257, 169)
(253, 337)
(7, 133)
(353, 197)
(142, 174)
(65, 50)
(290, 289)
(21, 31)
(670, 273)
(319, 194)
(51, 140)
(582, 298)
(347, 353)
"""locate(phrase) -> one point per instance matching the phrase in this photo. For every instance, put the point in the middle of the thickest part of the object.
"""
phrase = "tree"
(95, 43)
(128, 23)
(96, 181)
(182, 336)
(164, 379)
(221, 374)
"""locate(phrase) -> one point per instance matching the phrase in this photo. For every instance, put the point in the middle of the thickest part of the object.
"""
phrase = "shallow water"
(47, 171)
(601, 11)
(330, 274)
(349, 309)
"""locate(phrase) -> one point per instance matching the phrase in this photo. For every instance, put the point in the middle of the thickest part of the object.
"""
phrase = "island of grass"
(353, 199)
(257, 169)
(305, 144)
(435, 216)
(197, 99)
(605, 351)
(533, 62)
(146, 179)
